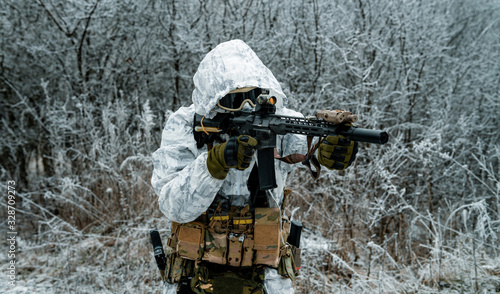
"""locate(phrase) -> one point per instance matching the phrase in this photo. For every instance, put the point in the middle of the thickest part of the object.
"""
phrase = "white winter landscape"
(86, 87)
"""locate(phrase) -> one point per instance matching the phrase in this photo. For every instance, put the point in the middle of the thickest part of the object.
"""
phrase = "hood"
(229, 66)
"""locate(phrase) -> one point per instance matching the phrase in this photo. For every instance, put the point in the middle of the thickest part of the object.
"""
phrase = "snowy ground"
(122, 262)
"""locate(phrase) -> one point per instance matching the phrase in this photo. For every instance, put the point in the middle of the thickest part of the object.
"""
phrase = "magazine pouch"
(235, 249)
(247, 257)
(267, 236)
(215, 246)
(191, 240)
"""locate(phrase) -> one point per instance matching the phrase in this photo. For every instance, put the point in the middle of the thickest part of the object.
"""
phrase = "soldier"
(206, 190)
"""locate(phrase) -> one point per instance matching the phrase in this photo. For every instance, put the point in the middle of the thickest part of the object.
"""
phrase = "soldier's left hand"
(337, 152)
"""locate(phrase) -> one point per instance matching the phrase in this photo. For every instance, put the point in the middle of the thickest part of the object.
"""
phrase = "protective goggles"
(235, 100)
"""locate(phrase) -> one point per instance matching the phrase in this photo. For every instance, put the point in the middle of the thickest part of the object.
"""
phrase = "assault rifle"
(263, 124)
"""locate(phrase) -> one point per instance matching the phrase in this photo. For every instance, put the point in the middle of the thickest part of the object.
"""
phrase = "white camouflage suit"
(181, 178)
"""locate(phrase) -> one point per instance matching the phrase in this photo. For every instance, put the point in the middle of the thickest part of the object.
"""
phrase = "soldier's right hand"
(237, 153)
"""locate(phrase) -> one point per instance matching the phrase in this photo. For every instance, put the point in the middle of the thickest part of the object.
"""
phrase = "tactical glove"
(235, 153)
(337, 152)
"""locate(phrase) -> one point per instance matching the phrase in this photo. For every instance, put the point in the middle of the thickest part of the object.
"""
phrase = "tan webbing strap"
(307, 160)
(290, 159)
(312, 158)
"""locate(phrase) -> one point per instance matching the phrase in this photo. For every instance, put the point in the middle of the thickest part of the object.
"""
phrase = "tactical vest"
(231, 246)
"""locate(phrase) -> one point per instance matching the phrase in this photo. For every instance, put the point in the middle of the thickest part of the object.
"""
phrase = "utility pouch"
(168, 267)
(247, 258)
(176, 269)
(286, 266)
(215, 246)
(179, 268)
(235, 249)
(191, 240)
(267, 236)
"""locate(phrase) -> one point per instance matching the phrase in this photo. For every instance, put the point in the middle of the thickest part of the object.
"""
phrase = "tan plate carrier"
(238, 238)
